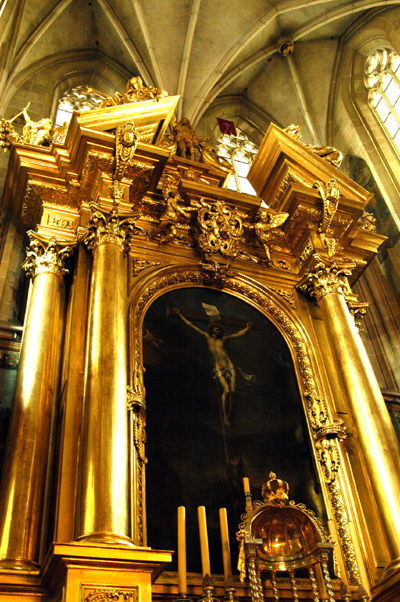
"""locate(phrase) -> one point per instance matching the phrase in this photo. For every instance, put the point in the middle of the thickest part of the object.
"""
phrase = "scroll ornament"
(219, 229)
(330, 195)
(126, 141)
(46, 257)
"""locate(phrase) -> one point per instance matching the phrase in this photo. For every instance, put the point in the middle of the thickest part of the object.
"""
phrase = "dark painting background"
(192, 459)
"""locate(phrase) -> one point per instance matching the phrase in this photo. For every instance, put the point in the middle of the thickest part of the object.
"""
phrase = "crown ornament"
(275, 491)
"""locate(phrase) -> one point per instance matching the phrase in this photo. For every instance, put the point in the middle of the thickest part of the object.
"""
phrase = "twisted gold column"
(103, 501)
(24, 473)
(373, 428)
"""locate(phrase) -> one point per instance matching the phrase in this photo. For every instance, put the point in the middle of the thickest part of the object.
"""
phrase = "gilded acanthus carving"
(327, 277)
(358, 311)
(140, 175)
(328, 153)
(317, 411)
(215, 274)
(126, 141)
(218, 229)
(330, 195)
(135, 92)
(141, 264)
(111, 229)
(96, 164)
(46, 257)
(102, 594)
(266, 229)
(287, 295)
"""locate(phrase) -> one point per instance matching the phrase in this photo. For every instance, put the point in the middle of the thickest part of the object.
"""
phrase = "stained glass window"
(382, 73)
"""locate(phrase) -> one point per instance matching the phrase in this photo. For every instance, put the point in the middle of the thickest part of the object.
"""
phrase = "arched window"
(241, 152)
(382, 75)
(78, 99)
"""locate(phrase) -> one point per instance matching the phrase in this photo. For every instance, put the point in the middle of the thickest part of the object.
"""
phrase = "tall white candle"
(205, 554)
(182, 583)
(226, 550)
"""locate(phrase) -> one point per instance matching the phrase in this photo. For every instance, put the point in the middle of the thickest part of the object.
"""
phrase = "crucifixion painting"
(224, 370)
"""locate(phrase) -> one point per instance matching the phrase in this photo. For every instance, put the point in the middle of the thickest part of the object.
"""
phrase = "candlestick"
(226, 551)
(247, 493)
(205, 555)
(182, 583)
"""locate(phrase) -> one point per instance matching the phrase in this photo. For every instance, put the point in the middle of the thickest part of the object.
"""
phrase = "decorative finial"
(275, 491)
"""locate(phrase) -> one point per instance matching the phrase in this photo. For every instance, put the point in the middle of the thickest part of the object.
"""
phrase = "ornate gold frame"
(280, 309)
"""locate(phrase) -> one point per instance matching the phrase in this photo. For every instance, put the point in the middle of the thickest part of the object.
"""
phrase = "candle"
(226, 551)
(246, 485)
(182, 585)
(205, 555)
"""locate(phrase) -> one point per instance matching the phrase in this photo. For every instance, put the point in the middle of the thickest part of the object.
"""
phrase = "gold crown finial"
(275, 491)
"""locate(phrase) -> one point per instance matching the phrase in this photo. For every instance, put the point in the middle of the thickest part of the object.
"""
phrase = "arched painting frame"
(279, 306)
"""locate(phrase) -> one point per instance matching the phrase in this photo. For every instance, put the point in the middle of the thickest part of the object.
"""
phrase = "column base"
(18, 564)
(106, 539)
(80, 572)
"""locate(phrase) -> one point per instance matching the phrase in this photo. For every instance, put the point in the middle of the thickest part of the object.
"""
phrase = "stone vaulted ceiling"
(221, 56)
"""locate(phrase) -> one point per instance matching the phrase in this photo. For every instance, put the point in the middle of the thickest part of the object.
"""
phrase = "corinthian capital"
(328, 277)
(111, 229)
(44, 256)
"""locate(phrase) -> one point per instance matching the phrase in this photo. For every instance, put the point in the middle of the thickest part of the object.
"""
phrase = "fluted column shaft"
(373, 427)
(103, 504)
(24, 473)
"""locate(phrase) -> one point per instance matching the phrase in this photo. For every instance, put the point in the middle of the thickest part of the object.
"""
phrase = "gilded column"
(327, 282)
(103, 500)
(24, 473)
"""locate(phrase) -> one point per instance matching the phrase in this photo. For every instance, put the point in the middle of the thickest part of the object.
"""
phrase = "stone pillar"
(24, 474)
(373, 429)
(103, 502)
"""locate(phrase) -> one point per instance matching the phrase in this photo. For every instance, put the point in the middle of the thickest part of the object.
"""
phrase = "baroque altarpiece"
(230, 320)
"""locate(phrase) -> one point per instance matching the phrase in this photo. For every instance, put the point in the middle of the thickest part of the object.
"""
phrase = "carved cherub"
(169, 218)
(266, 226)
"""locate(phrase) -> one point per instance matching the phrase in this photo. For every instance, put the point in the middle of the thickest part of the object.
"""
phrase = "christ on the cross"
(224, 370)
